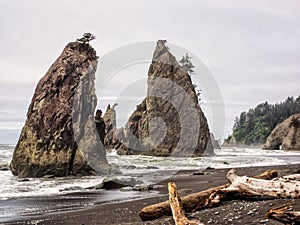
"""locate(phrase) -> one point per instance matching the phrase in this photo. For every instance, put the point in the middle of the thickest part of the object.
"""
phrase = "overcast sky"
(252, 48)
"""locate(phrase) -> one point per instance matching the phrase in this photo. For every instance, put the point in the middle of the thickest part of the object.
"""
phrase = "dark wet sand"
(250, 211)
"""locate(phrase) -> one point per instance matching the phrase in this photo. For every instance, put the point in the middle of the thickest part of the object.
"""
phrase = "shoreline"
(126, 212)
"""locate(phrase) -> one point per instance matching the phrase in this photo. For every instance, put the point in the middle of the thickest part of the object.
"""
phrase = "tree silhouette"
(187, 64)
(86, 38)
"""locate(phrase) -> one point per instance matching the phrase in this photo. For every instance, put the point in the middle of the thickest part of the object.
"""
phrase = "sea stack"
(59, 137)
(169, 121)
(286, 135)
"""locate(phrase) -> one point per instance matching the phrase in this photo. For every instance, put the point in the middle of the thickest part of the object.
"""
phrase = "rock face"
(169, 121)
(214, 142)
(100, 126)
(58, 137)
(113, 135)
(285, 135)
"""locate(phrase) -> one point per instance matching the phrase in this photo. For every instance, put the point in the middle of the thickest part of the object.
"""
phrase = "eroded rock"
(169, 121)
(285, 135)
(58, 137)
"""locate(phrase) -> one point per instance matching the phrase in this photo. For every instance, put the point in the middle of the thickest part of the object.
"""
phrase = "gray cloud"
(251, 47)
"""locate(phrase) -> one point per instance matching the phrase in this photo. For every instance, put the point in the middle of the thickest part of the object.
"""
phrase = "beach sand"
(246, 211)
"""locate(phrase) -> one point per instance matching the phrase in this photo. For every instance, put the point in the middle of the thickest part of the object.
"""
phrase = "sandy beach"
(246, 211)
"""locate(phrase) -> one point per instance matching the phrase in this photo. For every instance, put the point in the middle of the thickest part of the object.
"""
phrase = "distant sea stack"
(169, 121)
(286, 135)
(58, 137)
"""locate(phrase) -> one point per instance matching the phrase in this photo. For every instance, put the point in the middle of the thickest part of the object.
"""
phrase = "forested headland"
(253, 127)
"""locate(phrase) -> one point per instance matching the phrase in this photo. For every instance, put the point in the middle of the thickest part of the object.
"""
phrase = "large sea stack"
(285, 135)
(169, 121)
(59, 137)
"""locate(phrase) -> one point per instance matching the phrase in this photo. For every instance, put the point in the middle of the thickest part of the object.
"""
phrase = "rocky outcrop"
(113, 135)
(285, 135)
(59, 136)
(214, 142)
(100, 125)
(169, 121)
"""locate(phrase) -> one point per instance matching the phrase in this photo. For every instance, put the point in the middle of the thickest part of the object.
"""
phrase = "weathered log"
(176, 208)
(284, 214)
(279, 188)
(191, 202)
(244, 186)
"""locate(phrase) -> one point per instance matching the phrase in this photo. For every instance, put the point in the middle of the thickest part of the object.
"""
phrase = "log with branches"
(244, 186)
(193, 201)
(285, 215)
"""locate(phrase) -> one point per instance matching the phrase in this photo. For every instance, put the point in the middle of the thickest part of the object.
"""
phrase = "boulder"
(116, 183)
(285, 135)
(59, 136)
(169, 121)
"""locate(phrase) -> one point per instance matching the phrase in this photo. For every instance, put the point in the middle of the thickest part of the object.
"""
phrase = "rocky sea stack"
(169, 121)
(285, 135)
(59, 137)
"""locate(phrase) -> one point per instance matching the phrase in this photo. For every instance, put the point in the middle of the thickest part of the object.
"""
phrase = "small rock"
(263, 221)
(116, 183)
(152, 167)
(250, 212)
(4, 167)
(209, 168)
(130, 167)
(217, 213)
(23, 180)
(198, 173)
(143, 187)
(75, 188)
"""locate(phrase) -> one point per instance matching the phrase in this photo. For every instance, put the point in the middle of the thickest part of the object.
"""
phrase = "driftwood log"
(285, 215)
(244, 186)
(193, 201)
(176, 208)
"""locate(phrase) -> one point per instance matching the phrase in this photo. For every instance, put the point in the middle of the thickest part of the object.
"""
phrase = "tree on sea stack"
(59, 137)
(187, 64)
(86, 38)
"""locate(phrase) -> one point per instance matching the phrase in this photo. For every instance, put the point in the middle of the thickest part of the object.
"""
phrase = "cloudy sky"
(252, 48)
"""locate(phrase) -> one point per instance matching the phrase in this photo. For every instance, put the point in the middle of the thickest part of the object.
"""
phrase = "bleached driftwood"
(284, 214)
(244, 186)
(177, 211)
(280, 188)
(193, 201)
(289, 177)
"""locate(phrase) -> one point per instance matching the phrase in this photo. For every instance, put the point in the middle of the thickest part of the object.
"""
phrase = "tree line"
(253, 127)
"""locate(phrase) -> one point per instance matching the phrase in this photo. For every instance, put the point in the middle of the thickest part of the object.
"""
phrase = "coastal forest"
(254, 127)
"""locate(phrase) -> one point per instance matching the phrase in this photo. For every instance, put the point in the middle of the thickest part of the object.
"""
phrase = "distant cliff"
(169, 121)
(53, 140)
(286, 135)
(253, 127)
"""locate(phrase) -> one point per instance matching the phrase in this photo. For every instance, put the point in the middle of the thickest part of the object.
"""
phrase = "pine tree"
(187, 64)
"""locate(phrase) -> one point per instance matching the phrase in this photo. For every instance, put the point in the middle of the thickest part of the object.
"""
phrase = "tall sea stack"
(169, 121)
(59, 137)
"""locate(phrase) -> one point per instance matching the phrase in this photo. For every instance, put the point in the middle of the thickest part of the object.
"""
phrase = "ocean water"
(145, 168)
(15, 193)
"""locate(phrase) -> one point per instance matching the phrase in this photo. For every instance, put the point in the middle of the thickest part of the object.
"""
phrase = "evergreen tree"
(254, 126)
(187, 64)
